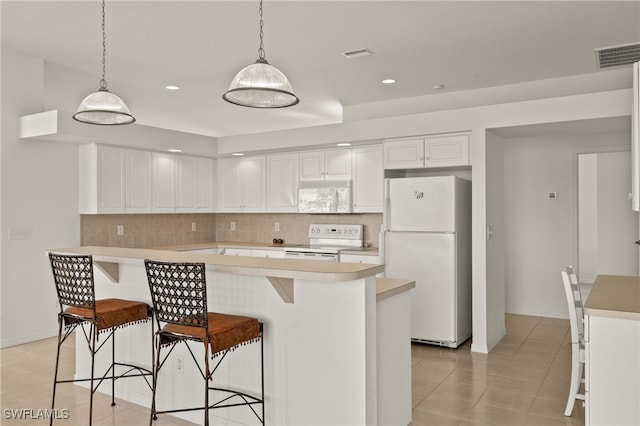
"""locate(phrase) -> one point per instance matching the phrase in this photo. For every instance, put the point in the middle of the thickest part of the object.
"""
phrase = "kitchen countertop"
(364, 251)
(269, 267)
(387, 287)
(614, 296)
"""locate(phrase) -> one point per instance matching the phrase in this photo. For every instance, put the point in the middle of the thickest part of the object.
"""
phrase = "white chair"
(576, 319)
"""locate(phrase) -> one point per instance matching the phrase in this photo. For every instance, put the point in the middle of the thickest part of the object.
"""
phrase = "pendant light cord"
(103, 82)
(261, 56)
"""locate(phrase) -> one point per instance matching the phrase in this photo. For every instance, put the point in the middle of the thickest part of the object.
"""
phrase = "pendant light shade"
(103, 107)
(261, 85)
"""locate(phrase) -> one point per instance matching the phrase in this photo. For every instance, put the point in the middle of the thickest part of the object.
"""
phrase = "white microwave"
(324, 197)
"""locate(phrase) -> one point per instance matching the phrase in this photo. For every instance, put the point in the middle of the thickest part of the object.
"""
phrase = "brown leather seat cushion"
(225, 331)
(111, 312)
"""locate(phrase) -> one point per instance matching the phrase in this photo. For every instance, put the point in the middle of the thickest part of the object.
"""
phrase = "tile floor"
(523, 381)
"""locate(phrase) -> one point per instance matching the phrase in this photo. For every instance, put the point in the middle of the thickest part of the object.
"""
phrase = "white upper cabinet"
(282, 182)
(114, 180)
(182, 184)
(186, 176)
(368, 179)
(205, 188)
(117, 180)
(427, 151)
(164, 183)
(332, 164)
(242, 184)
(137, 181)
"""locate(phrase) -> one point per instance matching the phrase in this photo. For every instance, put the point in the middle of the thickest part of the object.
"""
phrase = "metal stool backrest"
(178, 292)
(73, 277)
(574, 303)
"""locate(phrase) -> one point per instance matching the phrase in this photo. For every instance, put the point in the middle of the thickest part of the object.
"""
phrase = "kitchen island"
(337, 343)
(612, 346)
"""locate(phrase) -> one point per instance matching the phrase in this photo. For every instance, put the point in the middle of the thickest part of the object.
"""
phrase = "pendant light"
(261, 85)
(103, 107)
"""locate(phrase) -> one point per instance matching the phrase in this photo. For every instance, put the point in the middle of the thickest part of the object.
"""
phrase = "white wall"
(496, 236)
(39, 191)
(541, 234)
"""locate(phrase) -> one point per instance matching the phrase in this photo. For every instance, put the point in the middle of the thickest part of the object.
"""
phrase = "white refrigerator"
(427, 238)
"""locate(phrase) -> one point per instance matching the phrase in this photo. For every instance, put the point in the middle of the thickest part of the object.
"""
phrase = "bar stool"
(73, 277)
(179, 296)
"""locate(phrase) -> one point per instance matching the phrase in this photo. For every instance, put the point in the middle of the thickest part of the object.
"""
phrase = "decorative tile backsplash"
(294, 228)
(146, 230)
(156, 230)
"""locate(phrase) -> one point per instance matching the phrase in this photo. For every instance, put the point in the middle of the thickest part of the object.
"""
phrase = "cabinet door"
(312, 165)
(111, 176)
(204, 185)
(404, 154)
(282, 183)
(337, 163)
(228, 185)
(237, 252)
(241, 184)
(185, 186)
(354, 258)
(253, 184)
(138, 181)
(274, 254)
(163, 183)
(368, 179)
(447, 150)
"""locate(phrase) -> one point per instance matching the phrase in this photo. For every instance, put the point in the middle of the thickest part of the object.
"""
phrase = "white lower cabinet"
(612, 376)
(355, 258)
(233, 251)
(274, 254)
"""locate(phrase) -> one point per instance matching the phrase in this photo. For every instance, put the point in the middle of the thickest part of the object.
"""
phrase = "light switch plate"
(20, 233)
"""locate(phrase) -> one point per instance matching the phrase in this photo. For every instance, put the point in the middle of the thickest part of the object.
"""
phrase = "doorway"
(607, 227)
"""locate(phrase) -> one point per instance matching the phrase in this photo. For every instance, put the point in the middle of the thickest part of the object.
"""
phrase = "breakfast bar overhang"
(336, 339)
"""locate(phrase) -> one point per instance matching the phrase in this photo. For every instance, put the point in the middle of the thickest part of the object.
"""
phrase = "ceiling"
(201, 45)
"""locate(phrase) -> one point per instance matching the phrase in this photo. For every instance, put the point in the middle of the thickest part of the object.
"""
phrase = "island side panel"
(332, 373)
(394, 359)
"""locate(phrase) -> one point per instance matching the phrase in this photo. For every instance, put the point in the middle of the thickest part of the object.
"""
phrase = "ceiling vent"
(358, 53)
(618, 55)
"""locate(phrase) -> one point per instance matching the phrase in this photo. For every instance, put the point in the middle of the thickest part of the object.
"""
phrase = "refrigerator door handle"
(386, 216)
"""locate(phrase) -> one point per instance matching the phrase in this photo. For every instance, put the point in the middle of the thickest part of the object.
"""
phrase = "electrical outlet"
(277, 227)
(193, 226)
(233, 226)
(180, 364)
(120, 229)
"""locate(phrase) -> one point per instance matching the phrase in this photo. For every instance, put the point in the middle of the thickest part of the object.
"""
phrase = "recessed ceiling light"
(438, 87)
(237, 154)
(171, 87)
(343, 144)
(174, 150)
(388, 81)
